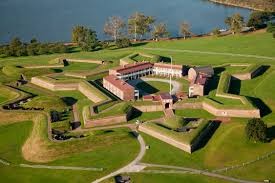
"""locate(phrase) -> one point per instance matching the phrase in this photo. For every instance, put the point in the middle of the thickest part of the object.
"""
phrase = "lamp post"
(171, 75)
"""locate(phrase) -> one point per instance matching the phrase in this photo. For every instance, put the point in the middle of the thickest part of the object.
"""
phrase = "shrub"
(270, 27)
(216, 32)
(123, 43)
(256, 130)
(104, 44)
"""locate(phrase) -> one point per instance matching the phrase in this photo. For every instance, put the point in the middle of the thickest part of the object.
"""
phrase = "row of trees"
(137, 26)
(17, 48)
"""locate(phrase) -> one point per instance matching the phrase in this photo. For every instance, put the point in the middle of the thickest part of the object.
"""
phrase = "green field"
(153, 87)
(27, 142)
(13, 137)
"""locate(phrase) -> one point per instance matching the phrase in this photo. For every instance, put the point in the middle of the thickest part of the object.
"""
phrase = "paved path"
(75, 112)
(61, 167)
(196, 171)
(131, 167)
(176, 86)
(212, 53)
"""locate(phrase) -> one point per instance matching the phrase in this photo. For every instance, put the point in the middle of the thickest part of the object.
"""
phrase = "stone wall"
(86, 61)
(42, 83)
(81, 87)
(197, 105)
(180, 145)
(197, 142)
(242, 113)
(43, 66)
(105, 121)
(149, 108)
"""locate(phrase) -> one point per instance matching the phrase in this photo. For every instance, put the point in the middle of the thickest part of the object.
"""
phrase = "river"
(52, 20)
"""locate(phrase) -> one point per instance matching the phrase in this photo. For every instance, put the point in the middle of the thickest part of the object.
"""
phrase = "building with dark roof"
(198, 78)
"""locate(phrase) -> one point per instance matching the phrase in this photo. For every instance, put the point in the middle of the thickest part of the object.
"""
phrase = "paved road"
(131, 167)
(176, 86)
(212, 53)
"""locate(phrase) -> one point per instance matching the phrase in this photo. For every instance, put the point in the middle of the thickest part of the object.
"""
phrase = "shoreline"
(238, 5)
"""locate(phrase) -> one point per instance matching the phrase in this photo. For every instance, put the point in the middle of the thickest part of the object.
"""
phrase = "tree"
(270, 27)
(139, 24)
(256, 130)
(85, 38)
(235, 22)
(78, 34)
(114, 27)
(160, 31)
(216, 32)
(259, 19)
(15, 46)
(123, 43)
(185, 29)
(90, 42)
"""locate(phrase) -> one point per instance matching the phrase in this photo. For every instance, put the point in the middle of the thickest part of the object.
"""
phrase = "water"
(52, 20)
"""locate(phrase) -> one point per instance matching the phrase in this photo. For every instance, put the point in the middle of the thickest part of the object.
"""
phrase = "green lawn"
(74, 66)
(7, 94)
(153, 87)
(228, 146)
(194, 113)
(220, 150)
(13, 137)
(173, 178)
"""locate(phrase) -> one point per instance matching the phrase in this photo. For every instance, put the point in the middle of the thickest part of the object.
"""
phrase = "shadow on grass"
(235, 86)
(262, 71)
(134, 134)
(218, 70)
(264, 109)
(108, 131)
(135, 114)
(69, 101)
(212, 84)
(139, 44)
(75, 125)
(271, 133)
(147, 88)
(57, 70)
(208, 136)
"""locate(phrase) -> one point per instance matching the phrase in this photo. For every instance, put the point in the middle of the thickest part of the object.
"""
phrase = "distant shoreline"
(250, 6)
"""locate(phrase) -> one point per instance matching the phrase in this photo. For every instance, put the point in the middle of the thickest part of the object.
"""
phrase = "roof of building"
(129, 68)
(201, 79)
(163, 65)
(205, 70)
(120, 84)
(165, 96)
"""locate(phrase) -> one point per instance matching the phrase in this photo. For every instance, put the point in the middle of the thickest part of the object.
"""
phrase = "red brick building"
(119, 87)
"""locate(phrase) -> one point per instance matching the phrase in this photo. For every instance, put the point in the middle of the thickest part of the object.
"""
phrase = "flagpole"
(171, 76)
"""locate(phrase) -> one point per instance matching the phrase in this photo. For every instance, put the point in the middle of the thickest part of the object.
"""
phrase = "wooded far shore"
(259, 5)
